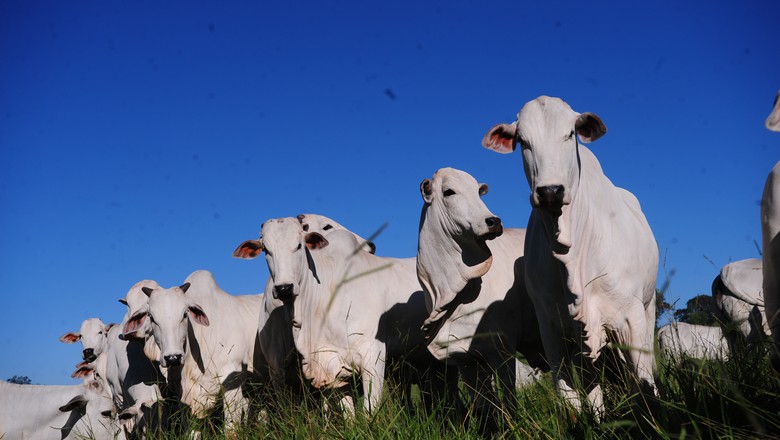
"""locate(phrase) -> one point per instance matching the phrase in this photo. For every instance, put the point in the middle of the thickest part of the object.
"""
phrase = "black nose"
(173, 360)
(494, 225)
(550, 196)
(283, 291)
(88, 354)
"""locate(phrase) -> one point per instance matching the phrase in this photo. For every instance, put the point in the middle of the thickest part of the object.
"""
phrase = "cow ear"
(426, 190)
(70, 338)
(589, 127)
(147, 290)
(198, 315)
(108, 328)
(501, 138)
(79, 401)
(773, 120)
(249, 249)
(184, 287)
(315, 240)
(135, 328)
(483, 189)
(82, 372)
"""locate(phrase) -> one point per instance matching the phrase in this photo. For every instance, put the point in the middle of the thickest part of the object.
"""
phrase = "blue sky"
(146, 140)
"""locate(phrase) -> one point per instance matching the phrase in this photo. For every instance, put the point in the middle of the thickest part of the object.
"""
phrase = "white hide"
(278, 351)
(57, 411)
(591, 258)
(738, 293)
(770, 240)
(353, 312)
(206, 340)
(680, 339)
(471, 270)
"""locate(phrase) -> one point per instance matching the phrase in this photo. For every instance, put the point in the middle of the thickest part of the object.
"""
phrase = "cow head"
(93, 398)
(285, 245)
(135, 300)
(167, 314)
(324, 226)
(546, 129)
(453, 198)
(93, 336)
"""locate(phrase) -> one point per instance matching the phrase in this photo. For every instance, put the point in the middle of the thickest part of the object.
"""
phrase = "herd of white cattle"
(581, 276)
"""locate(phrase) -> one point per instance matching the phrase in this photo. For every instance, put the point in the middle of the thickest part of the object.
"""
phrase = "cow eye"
(106, 413)
(449, 192)
(571, 135)
(327, 227)
(299, 247)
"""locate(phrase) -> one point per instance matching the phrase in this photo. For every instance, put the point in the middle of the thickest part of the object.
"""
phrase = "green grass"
(737, 398)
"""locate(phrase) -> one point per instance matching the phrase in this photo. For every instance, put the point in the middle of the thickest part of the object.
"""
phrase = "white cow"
(471, 270)
(680, 339)
(57, 411)
(773, 121)
(275, 327)
(770, 239)
(133, 377)
(738, 293)
(591, 259)
(93, 335)
(206, 342)
(353, 312)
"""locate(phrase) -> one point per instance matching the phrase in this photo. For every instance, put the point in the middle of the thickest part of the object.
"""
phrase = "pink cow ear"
(82, 372)
(134, 325)
(70, 338)
(198, 315)
(249, 249)
(315, 240)
(501, 138)
(589, 127)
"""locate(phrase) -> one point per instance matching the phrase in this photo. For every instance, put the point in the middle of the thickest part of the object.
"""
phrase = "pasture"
(738, 398)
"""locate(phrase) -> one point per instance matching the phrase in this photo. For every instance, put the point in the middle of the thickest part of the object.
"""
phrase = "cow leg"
(373, 384)
(641, 348)
(236, 406)
(554, 341)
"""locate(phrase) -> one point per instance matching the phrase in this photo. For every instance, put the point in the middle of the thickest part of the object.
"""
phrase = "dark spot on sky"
(212, 95)
(419, 46)
(558, 24)
(674, 240)
(371, 77)
(390, 94)
(659, 64)
(115, 204)
(212, 28)
(247, 161)
(592, 81)
(216, 216)
(195, 157)
(747, 51)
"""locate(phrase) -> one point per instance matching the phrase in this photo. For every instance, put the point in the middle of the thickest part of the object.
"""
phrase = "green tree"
(700, 309)
(21, 380)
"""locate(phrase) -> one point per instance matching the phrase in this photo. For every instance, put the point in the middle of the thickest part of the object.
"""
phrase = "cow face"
(167, 314)
(546, 129)
(285, 245)
(454, 198)
(93, 336)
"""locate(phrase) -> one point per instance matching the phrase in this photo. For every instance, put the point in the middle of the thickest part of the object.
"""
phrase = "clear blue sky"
(148, 139)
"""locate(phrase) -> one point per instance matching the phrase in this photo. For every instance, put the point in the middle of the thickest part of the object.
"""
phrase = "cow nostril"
(173, 360)
(283, 291)
(493, 222)
(551, 195)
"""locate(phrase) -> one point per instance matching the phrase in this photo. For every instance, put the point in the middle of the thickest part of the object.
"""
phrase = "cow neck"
(446, 265)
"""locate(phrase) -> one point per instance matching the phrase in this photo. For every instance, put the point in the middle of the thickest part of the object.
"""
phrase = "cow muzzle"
(88, 354)
(549, 197)
(495, 228)
(284, 292)
(172, 360)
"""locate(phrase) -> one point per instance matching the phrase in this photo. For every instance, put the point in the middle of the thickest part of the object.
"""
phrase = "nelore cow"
(770, 242)
(739, 295)
(353, 313)
(277, 348)
(679, 340)
(206, 341)
(57, 411)
(93, 335)
(591, 258)
(471, 270)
